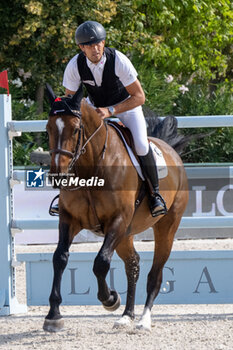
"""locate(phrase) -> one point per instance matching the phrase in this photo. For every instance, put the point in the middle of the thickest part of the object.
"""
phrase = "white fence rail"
(183, 122)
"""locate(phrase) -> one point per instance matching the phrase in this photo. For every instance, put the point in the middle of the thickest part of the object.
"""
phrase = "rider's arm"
(128, 77)
(137, 98)
(71, 77)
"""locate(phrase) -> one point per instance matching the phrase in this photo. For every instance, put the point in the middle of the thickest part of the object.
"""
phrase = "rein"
(83, 148)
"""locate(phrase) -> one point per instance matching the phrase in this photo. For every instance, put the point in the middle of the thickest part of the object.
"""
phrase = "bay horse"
(82, 143)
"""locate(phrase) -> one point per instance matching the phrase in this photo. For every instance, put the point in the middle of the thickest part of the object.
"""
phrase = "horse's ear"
(77, 98)
(50, 94)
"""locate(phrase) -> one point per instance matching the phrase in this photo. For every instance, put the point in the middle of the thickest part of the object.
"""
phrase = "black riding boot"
(149, 169)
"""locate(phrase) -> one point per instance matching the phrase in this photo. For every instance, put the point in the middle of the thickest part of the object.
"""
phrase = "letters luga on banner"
(4, 81)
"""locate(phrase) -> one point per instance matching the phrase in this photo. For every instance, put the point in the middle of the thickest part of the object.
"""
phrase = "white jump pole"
(8, 301)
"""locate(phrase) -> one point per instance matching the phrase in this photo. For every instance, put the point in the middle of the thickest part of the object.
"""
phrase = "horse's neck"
(91, 124)
(95, 136)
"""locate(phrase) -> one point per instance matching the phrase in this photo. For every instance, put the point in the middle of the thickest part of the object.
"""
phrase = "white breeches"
(135, 121)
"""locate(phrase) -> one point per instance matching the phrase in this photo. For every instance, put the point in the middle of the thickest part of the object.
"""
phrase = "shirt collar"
(100, 64)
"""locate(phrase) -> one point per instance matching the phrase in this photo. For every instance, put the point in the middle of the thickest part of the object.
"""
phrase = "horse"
(83, 144)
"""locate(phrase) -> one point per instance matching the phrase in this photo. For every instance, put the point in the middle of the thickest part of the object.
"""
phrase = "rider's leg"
(135, 121)
(157, 204)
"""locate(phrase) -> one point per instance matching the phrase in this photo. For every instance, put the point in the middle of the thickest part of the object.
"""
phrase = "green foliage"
(178, 37)
(25, 109)
(190, 40)
(37, 37)
(183, 37)
(214, 147)
(160, 93)
(217, 145)
(201, 100)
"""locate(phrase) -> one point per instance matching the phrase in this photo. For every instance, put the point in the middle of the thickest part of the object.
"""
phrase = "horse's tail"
(166, 130)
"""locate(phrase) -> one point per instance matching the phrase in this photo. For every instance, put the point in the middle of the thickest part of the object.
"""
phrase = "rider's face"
(93, 52)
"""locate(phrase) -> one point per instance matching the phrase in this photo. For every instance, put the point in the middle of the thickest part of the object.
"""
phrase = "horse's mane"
(87, 109)
(166, 130)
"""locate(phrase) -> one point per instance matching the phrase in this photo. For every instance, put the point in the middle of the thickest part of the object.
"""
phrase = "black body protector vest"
(111, 91)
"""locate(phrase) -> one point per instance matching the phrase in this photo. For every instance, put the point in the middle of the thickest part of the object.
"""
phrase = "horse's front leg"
(54, 321)
(128, 254)
(114, 233)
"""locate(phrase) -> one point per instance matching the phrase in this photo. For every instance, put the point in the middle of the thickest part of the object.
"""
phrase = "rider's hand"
(103, 112)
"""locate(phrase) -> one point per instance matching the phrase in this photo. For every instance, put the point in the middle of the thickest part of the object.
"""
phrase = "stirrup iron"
(54, 208)
(154, 203)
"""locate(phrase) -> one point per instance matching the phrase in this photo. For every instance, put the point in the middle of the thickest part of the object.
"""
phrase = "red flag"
(4, 81)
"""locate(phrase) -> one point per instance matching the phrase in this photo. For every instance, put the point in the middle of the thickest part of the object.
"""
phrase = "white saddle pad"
(160, 161)
(159, 158)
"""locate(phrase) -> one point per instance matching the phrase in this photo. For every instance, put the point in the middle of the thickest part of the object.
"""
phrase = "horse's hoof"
(115, 299)
(123, 322)
(143, 327)
(53, 325)
(145, 322)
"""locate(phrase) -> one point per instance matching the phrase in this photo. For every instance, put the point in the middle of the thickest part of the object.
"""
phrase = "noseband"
(62, 151)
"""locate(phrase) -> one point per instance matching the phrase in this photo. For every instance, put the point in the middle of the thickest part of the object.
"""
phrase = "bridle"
(81, 149)
(64, 151)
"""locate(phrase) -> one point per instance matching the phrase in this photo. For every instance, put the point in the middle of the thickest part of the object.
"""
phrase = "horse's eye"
(75, 131)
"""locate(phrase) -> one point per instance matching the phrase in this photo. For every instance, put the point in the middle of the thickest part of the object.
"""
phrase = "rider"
(113, 89)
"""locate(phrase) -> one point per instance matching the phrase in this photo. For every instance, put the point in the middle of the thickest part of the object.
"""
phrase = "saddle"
(123, 130)
(126, 137)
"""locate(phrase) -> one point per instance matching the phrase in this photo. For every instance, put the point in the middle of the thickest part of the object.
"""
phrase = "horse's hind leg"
(128, 254)
(53, 321)
(164, 232)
